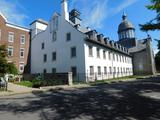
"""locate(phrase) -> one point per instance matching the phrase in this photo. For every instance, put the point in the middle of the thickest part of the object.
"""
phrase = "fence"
(50, 78)
(91, 77)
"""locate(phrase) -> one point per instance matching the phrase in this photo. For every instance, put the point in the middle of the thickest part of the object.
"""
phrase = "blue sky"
(102, 15)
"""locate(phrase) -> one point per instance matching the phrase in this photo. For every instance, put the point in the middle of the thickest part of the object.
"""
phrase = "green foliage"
(154, 24)
(159, 45)
(12, 69)
(25, 83)
(157, 61)
(6, 67)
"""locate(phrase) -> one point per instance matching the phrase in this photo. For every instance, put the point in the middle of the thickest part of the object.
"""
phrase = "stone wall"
(143, 61)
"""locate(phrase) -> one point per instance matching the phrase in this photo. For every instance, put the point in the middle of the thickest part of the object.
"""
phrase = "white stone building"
(63, 45)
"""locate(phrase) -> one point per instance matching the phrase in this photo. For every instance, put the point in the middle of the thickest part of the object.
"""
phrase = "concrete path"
(17, 89)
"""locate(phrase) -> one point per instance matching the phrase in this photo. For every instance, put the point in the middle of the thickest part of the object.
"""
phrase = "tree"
(6, 67)
(153, 24)
(157, 57)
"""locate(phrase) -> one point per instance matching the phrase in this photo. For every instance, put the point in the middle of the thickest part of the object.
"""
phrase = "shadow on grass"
(120, 101)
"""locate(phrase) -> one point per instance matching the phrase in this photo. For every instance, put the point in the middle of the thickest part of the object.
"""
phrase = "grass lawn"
(127, 78)
(25, 83)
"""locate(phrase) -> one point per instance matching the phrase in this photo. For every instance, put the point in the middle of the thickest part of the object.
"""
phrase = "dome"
(125, 24)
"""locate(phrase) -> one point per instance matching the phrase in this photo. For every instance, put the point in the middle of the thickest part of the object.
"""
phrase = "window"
(113, 57)
(104, 54)
(42, 46)
(53, 70)
(117, 58)
(109, 55)
(55, 24)
(21, 67)
(121, 71)
(10, 51)
(127, 71)
(110, 70)
(54, 56)
(99, 70)
(44, 71)
(74, 71)
(45, 58)
(54, 36)
(22, 53)
(11, 37)
(114, 70)
(90, 51)
(118, 70)
(68, 36)
(105, 70)
(73, 52)
(122, 59)
(98, 53)
(91, 70)
(22, 39)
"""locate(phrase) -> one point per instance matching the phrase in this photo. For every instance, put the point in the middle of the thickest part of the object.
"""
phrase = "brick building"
(17, 41)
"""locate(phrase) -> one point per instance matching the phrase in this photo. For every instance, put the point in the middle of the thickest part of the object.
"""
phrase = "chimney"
(74, 16)
(64, 10)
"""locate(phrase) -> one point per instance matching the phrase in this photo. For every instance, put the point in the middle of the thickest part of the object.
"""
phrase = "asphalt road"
(138, 100)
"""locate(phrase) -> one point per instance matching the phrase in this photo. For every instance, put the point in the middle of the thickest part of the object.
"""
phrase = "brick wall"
(16, 44)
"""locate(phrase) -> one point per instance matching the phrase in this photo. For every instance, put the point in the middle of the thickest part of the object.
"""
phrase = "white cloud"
(124, 5)
(94, 12)
(155, 51)
(11, 12)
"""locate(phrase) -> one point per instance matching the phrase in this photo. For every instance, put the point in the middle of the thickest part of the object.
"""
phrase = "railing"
(89, 77)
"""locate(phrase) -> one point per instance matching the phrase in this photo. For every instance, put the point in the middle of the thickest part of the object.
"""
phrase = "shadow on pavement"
(122, 101)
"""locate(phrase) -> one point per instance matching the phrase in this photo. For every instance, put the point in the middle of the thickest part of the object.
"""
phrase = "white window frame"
(90, 50)
(22, 51)
(104, 54)
(98, 53)
(99, 70)
(91, 69)
(54, 36)
(10, 47)
(23, 38)
(105, 70)
(11, 37)
(21, 64)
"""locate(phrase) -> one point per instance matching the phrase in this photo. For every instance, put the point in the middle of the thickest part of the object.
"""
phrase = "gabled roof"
(1, 14)
(13, 25)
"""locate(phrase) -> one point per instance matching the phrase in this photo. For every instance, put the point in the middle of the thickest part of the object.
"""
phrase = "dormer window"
(54, 24)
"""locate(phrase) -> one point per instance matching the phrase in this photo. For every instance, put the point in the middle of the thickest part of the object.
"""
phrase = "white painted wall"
(95, 62)
(36, 26)
(62, 47)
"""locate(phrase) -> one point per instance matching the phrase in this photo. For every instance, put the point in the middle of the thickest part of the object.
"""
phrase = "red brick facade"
(17, 31)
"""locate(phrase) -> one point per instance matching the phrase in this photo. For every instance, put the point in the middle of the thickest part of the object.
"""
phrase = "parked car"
(2, 82)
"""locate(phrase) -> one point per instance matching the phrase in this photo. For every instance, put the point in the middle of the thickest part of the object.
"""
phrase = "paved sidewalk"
(17, 89)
